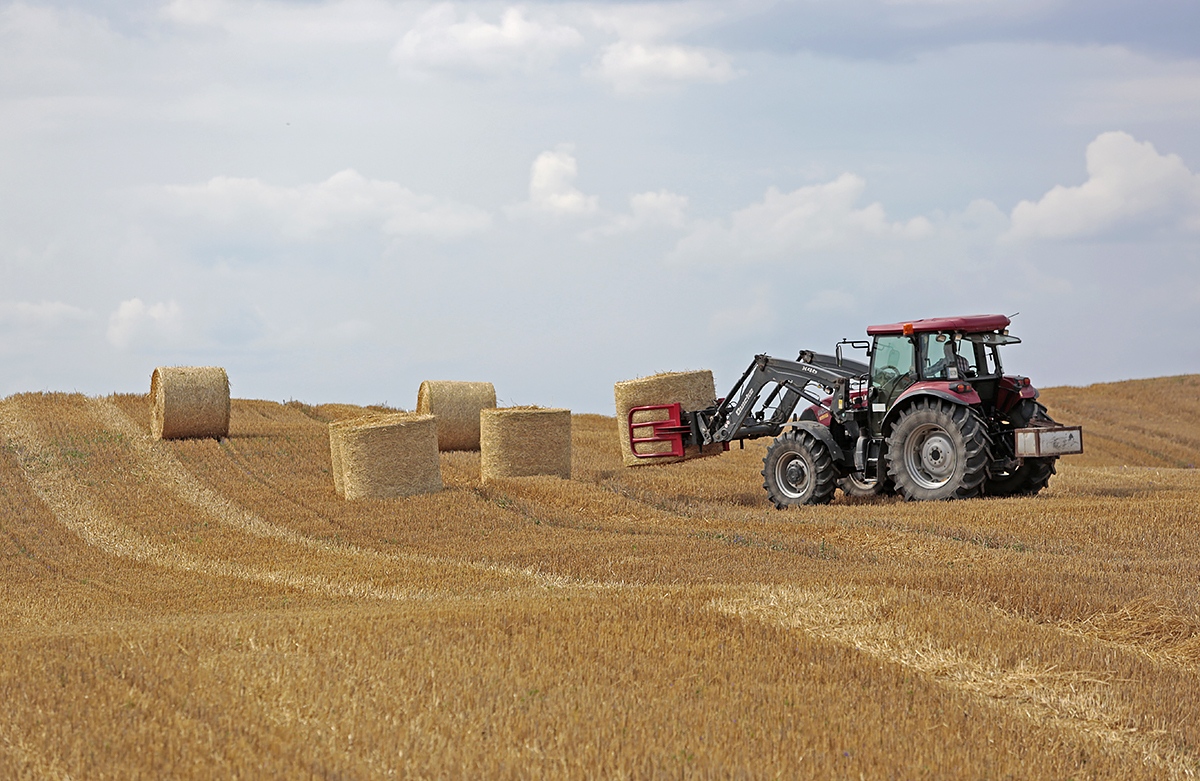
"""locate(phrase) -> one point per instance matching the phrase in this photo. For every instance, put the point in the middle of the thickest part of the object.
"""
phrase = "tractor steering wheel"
(888, 374)
(889, 378)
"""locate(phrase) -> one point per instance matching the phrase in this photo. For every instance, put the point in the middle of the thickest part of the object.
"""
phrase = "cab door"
(893, 369)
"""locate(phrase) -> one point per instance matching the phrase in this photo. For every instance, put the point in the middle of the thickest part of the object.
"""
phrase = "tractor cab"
(954, 358)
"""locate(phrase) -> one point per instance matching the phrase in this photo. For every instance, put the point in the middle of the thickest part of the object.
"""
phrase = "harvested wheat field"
(211, 609)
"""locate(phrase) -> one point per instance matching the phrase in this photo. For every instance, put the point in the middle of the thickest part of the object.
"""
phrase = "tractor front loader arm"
(740, 415)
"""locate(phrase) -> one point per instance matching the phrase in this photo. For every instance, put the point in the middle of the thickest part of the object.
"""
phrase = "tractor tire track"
(163, 468)
(71, 505)
(1074, 700)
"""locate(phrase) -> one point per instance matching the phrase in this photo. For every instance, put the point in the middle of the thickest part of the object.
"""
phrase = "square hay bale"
(525, 441)
(694, 390)
(457, 406)
(385, 455)
(189, 401)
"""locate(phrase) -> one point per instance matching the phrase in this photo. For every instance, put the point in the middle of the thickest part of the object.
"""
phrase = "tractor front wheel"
(798, 470)
(938, 450)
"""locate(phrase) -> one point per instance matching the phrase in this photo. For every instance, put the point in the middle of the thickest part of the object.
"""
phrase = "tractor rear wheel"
(1033, 474)
(798, 469)
(938, 450)
(1026, 480)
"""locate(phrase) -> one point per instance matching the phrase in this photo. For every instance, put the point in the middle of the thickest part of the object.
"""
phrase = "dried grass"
(1135, 422)
(187, 609)
(457, 406)
(189, 401)
(386, 455)
(1154, 628)
(524, 442)
(694, 390)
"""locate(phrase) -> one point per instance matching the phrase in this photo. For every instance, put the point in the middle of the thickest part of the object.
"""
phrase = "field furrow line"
(162, 467)
(1075, 700)
(71, 505)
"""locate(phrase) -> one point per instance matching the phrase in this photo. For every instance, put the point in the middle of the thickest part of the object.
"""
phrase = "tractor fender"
(940, 390)
(821, 433)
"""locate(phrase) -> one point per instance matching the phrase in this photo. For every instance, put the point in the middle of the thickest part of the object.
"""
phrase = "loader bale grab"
(931, 416)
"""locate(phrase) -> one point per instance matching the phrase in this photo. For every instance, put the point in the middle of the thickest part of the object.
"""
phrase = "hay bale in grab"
(385, 455)
(524, 442)
(692, 390)
(189, 401)
(457, 406)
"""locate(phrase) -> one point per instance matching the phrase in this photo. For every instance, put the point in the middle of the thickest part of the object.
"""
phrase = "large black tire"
(798, 470)
(1034, 473)
(856, 485)
(938, 450)
(1030, 477)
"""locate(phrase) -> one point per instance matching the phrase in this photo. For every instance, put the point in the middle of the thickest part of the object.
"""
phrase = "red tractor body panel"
(943, 389)
(965, 323)
(1012, 390)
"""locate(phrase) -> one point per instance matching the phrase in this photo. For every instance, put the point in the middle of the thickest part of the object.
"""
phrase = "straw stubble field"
(201, 609)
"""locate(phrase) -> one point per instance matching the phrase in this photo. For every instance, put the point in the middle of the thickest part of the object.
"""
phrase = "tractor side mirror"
(856, 344)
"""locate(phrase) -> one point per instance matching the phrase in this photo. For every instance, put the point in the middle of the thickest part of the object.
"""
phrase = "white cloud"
(832, 302)
(658, 208)
(351, 22)
(816, 218)
(134, 322)
(551, 184)
(755, 317)
(193, 12)
(632, 66)
(1130, 185)
(349, 332)
(661, 209)
(655, 21)
(40, 316)
(346, 200)
(1138, 97)
(441, 41)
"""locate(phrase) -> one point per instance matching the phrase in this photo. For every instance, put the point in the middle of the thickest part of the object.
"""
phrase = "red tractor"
(932, 416)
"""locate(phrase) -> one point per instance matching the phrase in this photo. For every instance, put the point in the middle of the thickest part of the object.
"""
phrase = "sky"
(336, 200)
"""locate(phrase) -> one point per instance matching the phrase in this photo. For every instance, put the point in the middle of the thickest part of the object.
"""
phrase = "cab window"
(993, 360)
(947, 357)
(892, 360)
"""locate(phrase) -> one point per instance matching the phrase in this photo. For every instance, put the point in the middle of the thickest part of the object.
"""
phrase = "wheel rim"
(862, 483)
(930, 457)
(792, 475)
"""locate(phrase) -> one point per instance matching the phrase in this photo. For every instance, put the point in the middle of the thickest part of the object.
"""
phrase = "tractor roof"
(964, 323)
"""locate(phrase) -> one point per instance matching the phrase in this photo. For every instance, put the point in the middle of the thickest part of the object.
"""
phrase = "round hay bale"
(457, 406)
(189, 401)
(382, 456)
(525, 441)
(336, 428)
(693, 390)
